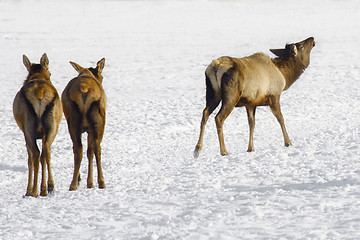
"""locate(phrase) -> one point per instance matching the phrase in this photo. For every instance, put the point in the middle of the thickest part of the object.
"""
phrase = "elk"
(84, 102)
(37, 110)
(252, 81)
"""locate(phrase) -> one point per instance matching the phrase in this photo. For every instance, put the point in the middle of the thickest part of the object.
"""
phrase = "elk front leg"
(275, 108)
(251, 119)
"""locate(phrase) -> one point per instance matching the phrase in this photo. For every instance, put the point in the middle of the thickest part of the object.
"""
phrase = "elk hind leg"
(226, 109)
(77, 149)
(210, 107)
(33, 157)
(96, 118)
(46, 162)
(213, 99)
(101, 181)
(90, 156)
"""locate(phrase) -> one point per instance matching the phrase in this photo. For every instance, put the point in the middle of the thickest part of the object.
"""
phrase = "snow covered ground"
(156, 53)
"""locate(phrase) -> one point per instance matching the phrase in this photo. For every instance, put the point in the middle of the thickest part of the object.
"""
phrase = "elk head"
(41, 69)
(96, 72)
(299, 51)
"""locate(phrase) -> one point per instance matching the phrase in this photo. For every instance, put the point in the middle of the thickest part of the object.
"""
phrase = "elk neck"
(290, 67)
(36, 76)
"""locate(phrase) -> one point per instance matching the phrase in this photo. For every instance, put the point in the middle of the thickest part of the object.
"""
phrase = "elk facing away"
(252, 81)
(84, 102)
(37, 111)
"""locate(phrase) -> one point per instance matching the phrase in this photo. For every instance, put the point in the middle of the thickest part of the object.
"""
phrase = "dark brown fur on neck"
(290, 68)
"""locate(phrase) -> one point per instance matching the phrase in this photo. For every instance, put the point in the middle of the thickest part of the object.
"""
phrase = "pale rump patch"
(39, 97)
(84, 93)
(215, 71)
(211, 74)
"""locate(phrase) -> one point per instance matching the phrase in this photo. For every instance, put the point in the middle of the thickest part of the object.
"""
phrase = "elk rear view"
(84, 102)
(37, 111)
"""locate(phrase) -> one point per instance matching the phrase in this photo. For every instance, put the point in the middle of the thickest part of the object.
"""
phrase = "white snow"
(156, 53)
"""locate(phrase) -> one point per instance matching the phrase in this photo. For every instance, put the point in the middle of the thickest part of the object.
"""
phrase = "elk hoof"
(43, 193)
(90, 185)
(72, 188)
(35, 194)
(288, 144)
(102, 185)
(50, 191)
(196, 153)
(224, 153)
(50, 187)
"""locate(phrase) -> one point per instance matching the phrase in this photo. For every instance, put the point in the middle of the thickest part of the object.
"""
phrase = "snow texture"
(156, 53)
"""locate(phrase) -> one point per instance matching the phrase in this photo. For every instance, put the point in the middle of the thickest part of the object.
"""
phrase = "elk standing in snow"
(252, 81)
(84, 102)
(37, 111)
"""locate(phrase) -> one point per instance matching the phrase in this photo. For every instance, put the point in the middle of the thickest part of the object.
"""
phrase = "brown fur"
(252, 81)
(37, 111)
(84, 102)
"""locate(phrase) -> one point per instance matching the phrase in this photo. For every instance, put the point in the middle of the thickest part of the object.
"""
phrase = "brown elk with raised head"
(84, 103)
(37, 111)
(252, 81)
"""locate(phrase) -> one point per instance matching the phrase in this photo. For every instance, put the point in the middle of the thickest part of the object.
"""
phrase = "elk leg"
(97, 149)
(34, 158)
(224, 112)
(206, 113)
(50, 177)
(77, 149)
(275, 108)
(46, 161)
(90, 156)
(35, 191)
(96, 118)
(250, 110)
(98, 164)
(30, 178)
(43, 188)
(33, 155)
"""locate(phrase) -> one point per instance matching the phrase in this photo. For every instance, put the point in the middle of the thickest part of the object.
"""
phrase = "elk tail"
(84, 89)
(40, 93)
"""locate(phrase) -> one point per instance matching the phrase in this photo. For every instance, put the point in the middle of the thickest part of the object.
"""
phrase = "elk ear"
(27, 63)
(44, 61)
(76, 66)
(278, 52)
(293, 50)
(100, 65)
